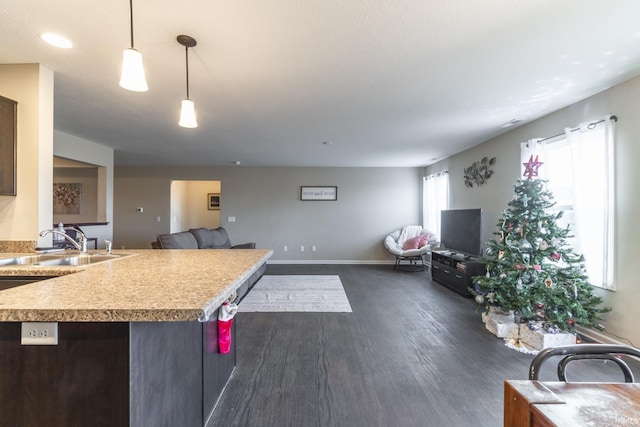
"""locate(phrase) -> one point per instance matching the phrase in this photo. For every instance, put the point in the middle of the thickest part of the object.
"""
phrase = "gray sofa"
(198, 238)
(204, 238)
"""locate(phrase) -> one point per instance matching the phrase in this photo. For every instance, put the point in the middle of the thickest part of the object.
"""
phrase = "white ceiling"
(389, 83)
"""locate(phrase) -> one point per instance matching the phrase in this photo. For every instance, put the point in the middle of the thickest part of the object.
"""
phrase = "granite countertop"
(150, 285)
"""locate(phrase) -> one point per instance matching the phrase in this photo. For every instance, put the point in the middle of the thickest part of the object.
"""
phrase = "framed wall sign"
(318, 193)
(213, 201)
(8, 158)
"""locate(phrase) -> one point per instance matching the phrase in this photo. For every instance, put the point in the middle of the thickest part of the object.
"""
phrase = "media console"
(455, 270)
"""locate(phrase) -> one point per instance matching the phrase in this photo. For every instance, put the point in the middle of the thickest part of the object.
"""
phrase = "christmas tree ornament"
(540, 306)
(500, 254)
(537, 267)
(543, 245)
(571, 322)
(548, 282)
(503, 276)
(479, 299)
(555, 256)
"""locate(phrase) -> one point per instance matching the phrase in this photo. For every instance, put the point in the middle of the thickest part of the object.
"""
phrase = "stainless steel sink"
(80, 259)
(28, 259)
(60, 259)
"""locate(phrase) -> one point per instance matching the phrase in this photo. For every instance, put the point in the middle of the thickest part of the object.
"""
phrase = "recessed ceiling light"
(57, 40)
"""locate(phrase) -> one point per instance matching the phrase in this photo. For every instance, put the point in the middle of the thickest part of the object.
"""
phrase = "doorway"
(191, 205)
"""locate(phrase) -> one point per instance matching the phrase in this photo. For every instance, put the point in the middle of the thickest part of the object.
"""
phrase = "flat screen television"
(460, 230)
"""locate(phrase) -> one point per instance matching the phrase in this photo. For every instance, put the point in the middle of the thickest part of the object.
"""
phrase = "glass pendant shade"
(132, 77)
(188, 114)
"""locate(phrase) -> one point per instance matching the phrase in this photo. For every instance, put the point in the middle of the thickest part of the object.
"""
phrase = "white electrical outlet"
(285, 248)
(313, 248)
(301, 248)
(39, 333)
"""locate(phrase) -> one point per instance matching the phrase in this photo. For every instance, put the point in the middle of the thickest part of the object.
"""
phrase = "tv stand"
(455, 270)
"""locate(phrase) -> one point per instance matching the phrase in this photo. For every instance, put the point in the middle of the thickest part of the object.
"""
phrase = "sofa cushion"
(181, 240)
(216, 238)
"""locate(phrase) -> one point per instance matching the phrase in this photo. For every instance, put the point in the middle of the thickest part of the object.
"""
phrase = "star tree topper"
(531, 167)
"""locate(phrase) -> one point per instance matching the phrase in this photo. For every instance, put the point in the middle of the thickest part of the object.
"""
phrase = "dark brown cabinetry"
(114, 374)
(455, 270)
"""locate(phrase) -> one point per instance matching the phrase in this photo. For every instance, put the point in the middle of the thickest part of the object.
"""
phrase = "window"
(579, 168)
(435, 198)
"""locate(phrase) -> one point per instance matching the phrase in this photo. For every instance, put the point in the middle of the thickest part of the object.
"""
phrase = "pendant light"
(132, 77)
(188, 112)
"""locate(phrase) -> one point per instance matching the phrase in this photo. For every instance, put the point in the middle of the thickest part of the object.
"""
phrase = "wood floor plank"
(412, 353)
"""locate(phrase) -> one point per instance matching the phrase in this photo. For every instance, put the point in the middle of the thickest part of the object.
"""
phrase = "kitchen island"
(137, 338)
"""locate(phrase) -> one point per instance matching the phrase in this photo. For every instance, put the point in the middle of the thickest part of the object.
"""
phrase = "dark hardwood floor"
(412, 353)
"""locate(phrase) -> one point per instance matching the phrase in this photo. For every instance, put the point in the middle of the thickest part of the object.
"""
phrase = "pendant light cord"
(131, 20)
(186, 51)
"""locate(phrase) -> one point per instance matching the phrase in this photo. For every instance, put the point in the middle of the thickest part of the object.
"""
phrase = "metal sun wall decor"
(478, 172)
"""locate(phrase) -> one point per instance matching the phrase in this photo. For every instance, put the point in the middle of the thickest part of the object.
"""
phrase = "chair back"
(572, 353)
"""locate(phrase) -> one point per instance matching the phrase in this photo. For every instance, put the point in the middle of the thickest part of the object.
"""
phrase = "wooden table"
(546, 404)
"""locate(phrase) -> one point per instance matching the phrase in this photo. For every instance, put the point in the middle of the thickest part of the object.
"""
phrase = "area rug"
(296, 293)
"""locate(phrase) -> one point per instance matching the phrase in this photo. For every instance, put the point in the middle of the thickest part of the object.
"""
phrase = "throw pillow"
(413, 243)
(416, 242)
(216, 238)
(181, 240)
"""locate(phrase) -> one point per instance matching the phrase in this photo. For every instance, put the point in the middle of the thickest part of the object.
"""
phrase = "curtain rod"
(433, 175)
(589, 126)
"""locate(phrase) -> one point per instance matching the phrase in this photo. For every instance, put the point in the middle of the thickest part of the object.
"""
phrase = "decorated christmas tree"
(531, 268)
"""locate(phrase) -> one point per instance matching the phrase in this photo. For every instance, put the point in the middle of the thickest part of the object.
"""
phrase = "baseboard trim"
(329, 261)
(598, 336)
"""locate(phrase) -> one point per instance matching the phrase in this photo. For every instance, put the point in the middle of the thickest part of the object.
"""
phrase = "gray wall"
(266, 204)
(622, 101)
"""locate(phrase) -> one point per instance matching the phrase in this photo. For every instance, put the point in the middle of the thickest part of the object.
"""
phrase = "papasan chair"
(410, 245)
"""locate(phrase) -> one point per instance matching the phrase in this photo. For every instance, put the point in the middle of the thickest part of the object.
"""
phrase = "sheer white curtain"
(579, 167)
(591, 148)
(435, 198)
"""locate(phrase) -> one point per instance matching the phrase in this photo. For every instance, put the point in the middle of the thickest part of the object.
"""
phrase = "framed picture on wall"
(213, 201)
(67, 198)
(8, 124)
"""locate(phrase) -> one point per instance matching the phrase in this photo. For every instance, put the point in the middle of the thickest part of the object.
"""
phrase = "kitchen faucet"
(80, 245)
